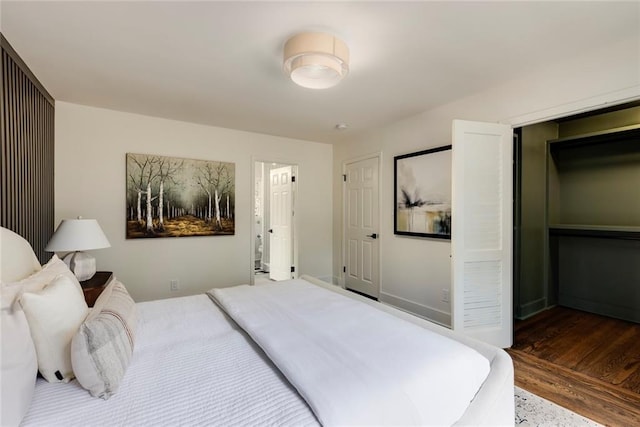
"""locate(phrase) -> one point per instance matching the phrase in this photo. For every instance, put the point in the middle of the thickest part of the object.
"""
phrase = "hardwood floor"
(582, 361)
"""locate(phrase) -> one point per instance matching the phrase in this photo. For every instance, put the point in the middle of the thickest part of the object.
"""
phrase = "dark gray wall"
(595, 243)
(600, 275)
(531, 279)
(600, 122)
(599, 184)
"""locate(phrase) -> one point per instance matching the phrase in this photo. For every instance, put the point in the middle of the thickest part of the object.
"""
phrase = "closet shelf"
(587, 230)
(608, 137)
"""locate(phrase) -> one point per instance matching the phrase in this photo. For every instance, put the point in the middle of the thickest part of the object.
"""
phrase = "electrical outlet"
(175, 285)
(445, 295)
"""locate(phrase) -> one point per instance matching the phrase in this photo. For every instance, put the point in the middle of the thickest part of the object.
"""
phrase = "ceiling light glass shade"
(316, 60)
(73, 236)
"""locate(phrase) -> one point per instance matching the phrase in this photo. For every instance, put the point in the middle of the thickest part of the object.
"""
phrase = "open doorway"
(576, 259)
(577, 213)
(274, 246)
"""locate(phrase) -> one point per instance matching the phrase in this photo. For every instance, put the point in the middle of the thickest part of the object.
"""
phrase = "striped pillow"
(101, 350)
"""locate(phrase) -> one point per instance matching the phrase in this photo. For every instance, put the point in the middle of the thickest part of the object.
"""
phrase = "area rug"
(532, 410)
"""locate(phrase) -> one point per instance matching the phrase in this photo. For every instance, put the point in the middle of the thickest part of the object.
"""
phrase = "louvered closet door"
(482, 231)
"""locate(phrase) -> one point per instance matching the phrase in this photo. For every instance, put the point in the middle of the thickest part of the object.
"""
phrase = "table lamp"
(74, 236)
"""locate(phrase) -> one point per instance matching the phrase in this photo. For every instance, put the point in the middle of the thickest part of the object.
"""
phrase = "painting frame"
(422, 193)
(178, 197)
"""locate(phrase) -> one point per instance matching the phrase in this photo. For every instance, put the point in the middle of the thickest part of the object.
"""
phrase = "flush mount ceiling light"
(316, 60)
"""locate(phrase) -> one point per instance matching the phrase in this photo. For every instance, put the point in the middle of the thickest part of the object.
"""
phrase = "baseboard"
(532, 308)
(629, 314)
(420, 310)
(329, 279)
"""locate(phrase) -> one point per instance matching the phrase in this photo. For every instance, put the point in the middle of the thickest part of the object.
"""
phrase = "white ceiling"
(220, 63)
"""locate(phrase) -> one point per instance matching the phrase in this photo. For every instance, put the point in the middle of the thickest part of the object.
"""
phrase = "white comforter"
(191, 366)
(354, 364)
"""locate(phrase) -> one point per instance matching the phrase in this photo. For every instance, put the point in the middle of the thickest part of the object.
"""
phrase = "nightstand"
(93, 287)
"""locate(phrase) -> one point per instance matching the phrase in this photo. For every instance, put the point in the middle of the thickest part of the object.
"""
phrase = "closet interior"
(578, 214)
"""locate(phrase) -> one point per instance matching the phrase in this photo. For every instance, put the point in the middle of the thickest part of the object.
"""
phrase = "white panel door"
(482, 231)
(362, 246)
(280, 223)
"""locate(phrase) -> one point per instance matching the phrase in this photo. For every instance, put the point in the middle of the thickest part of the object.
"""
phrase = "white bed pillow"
(19, 360)
(18, 261)
(19, 364)
(38, 280)
(54, 315)
(101, 349)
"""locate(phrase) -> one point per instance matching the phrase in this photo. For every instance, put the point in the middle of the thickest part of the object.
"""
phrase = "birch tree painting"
(174, 197)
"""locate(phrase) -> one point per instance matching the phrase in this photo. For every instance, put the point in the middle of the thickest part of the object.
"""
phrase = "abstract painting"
(422, 193)
(176, 197)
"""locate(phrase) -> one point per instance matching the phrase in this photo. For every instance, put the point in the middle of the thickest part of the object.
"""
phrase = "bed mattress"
(191, 366)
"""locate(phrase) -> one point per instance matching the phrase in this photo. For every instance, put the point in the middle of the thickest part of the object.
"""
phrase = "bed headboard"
(28, 154)
(17, 259)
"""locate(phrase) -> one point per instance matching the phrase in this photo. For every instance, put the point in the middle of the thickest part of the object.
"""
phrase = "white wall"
(414, 271)
(91, 144)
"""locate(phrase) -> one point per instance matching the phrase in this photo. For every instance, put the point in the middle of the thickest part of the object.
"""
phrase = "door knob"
(271, 230)
(373, 236)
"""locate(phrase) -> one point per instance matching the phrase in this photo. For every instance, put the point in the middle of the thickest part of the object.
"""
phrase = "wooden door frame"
(342, 276)
(294, 202)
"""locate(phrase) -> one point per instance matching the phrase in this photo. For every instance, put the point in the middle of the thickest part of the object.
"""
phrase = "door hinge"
(293, 269)
(344, 268)
(344, 177)
(293, 178)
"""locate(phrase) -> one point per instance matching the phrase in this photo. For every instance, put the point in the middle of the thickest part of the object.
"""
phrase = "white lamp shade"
(316, 60)
(77, 235)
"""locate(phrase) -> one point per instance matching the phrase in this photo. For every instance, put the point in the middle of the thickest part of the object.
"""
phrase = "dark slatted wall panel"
(27, 154)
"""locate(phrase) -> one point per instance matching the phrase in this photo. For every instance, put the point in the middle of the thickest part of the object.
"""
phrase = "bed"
(230, 357)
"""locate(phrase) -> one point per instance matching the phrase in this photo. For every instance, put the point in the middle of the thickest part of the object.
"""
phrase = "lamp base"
(81, 264)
